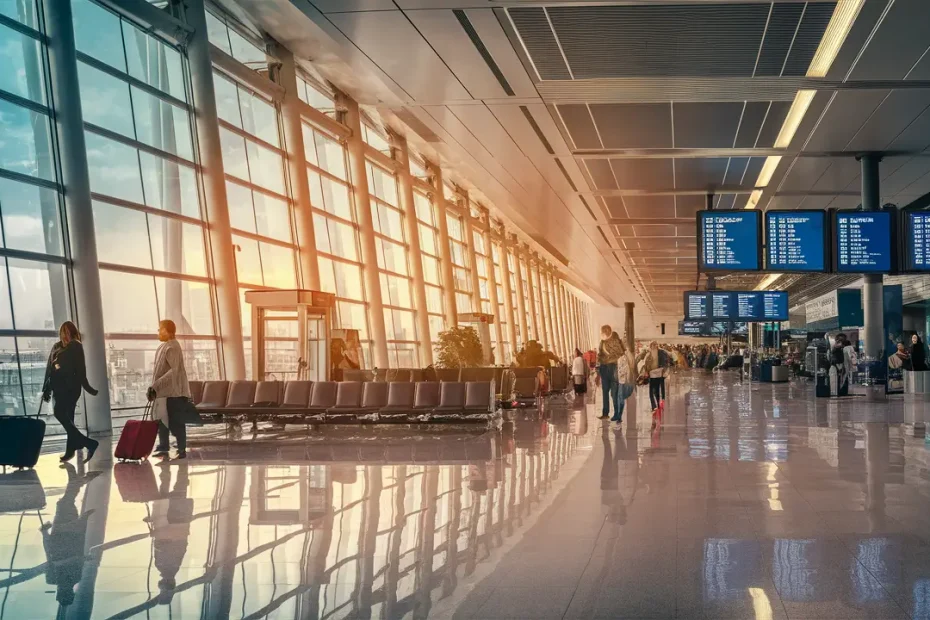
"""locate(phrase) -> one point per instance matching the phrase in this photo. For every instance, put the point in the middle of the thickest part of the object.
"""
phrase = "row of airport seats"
(346, 401)
(416, 375)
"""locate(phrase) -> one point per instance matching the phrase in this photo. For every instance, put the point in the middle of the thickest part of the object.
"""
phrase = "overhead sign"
(740, 306)
(822, 308)
(796, 241)
(730, 240)
(693, 328)
(864, 241)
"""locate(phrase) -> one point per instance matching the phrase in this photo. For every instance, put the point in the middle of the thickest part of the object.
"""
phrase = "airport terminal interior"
(485, 309)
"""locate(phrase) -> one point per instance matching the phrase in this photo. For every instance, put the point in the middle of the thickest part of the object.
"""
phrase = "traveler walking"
(615, 373)
(65, 376)
(580, 373)
(918, 354)
(170, 391)
(656, 363)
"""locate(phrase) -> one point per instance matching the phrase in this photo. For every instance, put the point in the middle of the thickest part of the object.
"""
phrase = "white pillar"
(508, 298)
(521, 300)
(214, 189)
(472, 257)
(414, 253)
(372, 278)
(492, 286)
(286, 76)
(445, 257)
(75, 178)
(532, 298)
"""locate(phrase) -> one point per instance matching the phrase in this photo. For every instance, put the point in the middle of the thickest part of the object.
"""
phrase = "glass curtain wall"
(514, 291)
(147, 213)
(432, 265)
(335, 222)
(260, 209)
(388, 222)
(528, 307)
(34, 281)
(461, 266)
(481, 265)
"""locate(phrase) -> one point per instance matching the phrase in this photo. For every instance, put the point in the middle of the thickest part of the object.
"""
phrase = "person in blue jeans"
(609, 354)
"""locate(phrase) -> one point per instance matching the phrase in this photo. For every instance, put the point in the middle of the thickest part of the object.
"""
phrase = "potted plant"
(459, 347)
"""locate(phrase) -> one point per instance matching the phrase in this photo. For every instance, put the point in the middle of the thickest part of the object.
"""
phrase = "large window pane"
(105, 100)
(259, 117)
(235, 162)
(352, 316)
(169, 186)
(24, 142)
(272, 217)
(391, 256)
(188, 304)
(348, 280)
(23, 11)
(129, 305)
(177, 247)
(428, 240)
(227, 99)
(22, 64)
(266, 167)
(381, 184)
(114, 168)
(396, 291)
(248, 263)
(278, 266)
(387, 221)
(434, 300)
(431, 272)
(31, 218)
(241, 211)
(330, 196)
(331, 155)
(33, 355)
(122, 237)
(162, 125)
(40, 294)
(154, 62)
(11, 393)
(97, 33)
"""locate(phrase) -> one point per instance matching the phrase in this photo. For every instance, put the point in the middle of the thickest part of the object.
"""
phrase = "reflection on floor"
(738, 501)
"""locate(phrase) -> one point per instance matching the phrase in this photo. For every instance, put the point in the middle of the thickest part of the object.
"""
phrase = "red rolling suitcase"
(138, 437)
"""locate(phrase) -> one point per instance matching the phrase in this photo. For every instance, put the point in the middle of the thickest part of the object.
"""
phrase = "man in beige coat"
(170, 390)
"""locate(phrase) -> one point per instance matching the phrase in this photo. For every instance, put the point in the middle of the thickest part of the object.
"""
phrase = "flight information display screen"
(797, 240)
(696, 305)
(721, 305)
(693, 328)
(748, 306)
(730, 240)
(774, 306)
(863, 241)
(918, 240)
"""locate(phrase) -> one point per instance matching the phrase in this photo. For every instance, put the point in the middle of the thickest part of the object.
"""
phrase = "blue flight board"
(774, 306)
(748, 305)
(721, 304)
(863, 242)
(729, 240)
(696, 305)
(797, 240)
(918, 240)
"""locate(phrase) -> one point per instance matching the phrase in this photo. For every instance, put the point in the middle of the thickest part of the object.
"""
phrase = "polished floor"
(740, 501)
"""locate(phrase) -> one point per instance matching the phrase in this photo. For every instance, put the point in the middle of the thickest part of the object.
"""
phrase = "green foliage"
(459, 347)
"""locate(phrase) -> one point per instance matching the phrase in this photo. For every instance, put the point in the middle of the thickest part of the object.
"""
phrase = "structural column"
(508, 292)
(563, 317)
(521, 300)
(372, 279)
(286, 76)
(872, 306)
(492, 285)
(629, 326)
(214, 188)
(414, 252)
(560, 314)
(532, 299)
(576, 318)
(75, 178)
(472, 257)
(554, 343)
(445, 257)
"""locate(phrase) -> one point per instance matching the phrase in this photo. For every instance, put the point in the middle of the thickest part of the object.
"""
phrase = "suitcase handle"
(149, 412)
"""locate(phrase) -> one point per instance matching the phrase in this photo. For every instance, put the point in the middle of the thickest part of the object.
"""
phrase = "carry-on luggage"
(136, 482)
(21, 491)
(21, 440)
(138, 437)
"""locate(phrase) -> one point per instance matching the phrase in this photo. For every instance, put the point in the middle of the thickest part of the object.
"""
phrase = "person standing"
(170, 391)
(65, 376)
(579, 373)
(615, 373)
(656, 364)
(918, 354)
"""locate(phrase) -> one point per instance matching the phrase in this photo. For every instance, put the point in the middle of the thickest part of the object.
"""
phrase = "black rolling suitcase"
(21, 440)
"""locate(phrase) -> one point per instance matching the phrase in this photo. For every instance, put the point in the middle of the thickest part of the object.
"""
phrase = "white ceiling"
(609, 170)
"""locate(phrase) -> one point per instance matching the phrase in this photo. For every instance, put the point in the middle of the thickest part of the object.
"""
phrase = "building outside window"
(147, 213)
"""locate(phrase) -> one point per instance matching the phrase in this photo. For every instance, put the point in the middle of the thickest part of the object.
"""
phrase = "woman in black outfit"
(65, 375)
(918, 354)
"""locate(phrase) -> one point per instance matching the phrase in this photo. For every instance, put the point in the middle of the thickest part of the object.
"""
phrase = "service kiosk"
(291, 334)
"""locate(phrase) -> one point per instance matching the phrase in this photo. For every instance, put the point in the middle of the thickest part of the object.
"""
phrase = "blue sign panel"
(721, 305)
(797, 240)
(774, 306)
(918, 240)
(693, 328)
(748, 306)
(696, 306)
(729, 240)
(863, 242)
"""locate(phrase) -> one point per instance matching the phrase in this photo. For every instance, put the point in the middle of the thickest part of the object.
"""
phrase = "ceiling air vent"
(590, 212)
(567, 177)
(606, 240)
(535, 126)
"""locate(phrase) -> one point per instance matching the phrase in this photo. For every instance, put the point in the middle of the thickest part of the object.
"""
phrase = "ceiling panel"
(848, 110)
(533, 27)
(894, 115)
(774, 119)
(706, 125)
(735, 171)
(390, 40)
(601, 173)
(624, 231)
(700, 172)
(649, 174)
(905, 175)
(634, 125)
(655, 230)
(897, 45)
(807, 38)
(502, 51)
(688, 206)
(779, 33)
(580, 126)
(916, 136)
(753, 116)
(650, 206)
(615, 206)
(842, 172)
